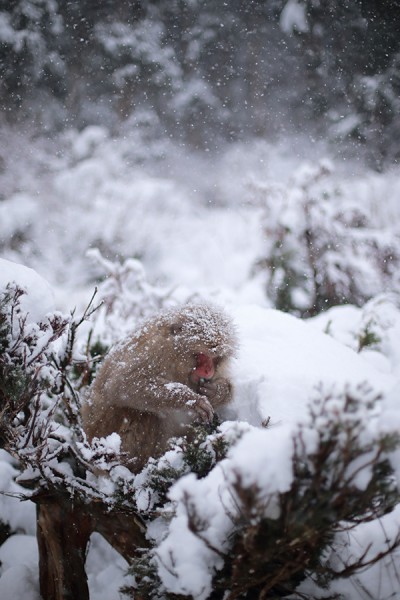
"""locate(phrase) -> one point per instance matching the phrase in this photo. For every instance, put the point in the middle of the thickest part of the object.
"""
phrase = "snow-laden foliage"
(39, 404)
(322, 251)
(371, 329)
(27, 371)
(125, 298)
(275, 510)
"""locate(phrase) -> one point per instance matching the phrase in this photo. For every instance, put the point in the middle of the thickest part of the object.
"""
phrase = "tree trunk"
(63, 531)
(123, 531)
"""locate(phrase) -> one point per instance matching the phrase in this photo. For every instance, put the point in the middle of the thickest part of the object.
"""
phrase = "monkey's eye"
(175, 328)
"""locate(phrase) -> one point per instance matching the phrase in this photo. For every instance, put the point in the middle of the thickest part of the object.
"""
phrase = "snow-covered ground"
(196, 225)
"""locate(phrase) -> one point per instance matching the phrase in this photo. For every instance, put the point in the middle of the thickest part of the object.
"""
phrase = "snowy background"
(156, 221)
(196, 237)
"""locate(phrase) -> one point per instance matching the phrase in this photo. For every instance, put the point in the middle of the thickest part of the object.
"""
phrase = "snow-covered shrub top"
(321, 476)
(125, 298)
(323, 249)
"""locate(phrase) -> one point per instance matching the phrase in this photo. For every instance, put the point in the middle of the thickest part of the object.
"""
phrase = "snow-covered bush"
(39, 405)
(28, 375)
(125, 297)
(323, 250)
(274, 511)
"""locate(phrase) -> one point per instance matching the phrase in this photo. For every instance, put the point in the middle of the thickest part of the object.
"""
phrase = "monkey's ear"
(175, 328)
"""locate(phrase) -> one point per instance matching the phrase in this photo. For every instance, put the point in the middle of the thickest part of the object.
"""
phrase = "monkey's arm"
(218, 390)
(178, 396)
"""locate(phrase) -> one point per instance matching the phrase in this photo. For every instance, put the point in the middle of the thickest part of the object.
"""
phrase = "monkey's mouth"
(204, 368)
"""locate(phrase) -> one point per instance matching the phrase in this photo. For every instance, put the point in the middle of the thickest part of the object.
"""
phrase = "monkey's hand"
(202, 407)
(177, 395)
(217, 390)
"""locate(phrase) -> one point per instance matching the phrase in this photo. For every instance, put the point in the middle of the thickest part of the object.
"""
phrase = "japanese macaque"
(172, 372)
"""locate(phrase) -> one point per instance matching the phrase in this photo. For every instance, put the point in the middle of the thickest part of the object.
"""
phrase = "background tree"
(210, 72)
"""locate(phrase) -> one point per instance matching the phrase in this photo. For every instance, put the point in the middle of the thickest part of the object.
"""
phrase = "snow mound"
(19, 559)
(283, 360)
(39, 297)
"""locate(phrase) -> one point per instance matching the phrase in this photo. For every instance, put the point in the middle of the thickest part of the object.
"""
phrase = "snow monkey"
(171, 372)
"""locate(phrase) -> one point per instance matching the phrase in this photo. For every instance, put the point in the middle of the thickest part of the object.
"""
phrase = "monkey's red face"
(204, 369)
